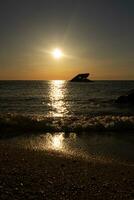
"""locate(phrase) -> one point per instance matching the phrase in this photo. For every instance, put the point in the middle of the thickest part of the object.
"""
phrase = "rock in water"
(126, 99)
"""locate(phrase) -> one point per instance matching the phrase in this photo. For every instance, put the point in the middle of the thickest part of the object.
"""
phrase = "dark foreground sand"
(26, 174)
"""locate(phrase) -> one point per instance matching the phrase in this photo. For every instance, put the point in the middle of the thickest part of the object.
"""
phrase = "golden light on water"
(57, 141)
(54, 141)
(57, 93)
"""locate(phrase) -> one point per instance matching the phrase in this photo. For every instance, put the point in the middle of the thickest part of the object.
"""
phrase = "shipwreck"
(81, 78)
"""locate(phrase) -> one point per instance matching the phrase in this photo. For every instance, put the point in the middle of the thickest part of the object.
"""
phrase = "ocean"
(63, 99)
(86, 109)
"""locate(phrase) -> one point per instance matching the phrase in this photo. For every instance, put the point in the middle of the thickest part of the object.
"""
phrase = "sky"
(96, 36)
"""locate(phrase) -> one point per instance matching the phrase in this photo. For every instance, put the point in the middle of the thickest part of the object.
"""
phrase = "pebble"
(106, 185)
(50, 182)
(62, 165)
(21, 184)
(93, 178)
(42, 192)
(124, 180)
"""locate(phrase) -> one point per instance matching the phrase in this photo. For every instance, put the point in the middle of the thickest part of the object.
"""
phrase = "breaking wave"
(33, 124)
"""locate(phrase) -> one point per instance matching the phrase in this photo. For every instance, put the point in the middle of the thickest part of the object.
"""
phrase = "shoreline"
(30, 174)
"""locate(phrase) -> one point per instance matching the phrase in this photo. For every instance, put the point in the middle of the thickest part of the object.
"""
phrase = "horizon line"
(63, 80)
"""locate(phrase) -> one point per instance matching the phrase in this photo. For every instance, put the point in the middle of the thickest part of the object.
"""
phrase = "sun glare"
(57, 53)
(57, 141)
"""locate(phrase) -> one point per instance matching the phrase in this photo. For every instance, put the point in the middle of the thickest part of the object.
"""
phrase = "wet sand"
(28, 174)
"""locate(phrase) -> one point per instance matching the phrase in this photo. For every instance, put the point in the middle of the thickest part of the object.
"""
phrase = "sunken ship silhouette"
(81, 78)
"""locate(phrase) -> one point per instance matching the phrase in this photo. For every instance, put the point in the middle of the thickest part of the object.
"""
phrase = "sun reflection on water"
(57, 95)
(59, 142)
(56, 142)
(67, 145)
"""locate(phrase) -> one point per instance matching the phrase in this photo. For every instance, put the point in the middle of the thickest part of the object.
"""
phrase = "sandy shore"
(27, 174)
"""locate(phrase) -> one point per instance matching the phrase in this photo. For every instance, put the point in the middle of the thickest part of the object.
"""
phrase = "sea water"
(86, 109)
(62, 98)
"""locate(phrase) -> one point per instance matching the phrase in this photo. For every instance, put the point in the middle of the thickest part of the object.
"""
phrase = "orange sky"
(42, 66)
(96, 38)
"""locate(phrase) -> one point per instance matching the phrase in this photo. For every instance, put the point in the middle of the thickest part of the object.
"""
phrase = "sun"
(57, 53)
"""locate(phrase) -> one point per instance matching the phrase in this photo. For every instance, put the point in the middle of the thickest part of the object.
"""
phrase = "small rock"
(62, 165)
(50, 182)
(21, 184)
(106, 185)
(124, 180)
(122, 173)
(74, 161)
(41, 191)
(93, 178)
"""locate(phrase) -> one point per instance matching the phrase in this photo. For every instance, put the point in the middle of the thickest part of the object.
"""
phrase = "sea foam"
(24, 124)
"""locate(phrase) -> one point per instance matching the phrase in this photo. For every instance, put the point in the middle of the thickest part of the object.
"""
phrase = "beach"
(66, 100)
(62, 140)
(36, 174)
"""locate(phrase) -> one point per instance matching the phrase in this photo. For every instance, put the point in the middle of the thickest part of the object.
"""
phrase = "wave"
(18, 99)
(26, 124)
